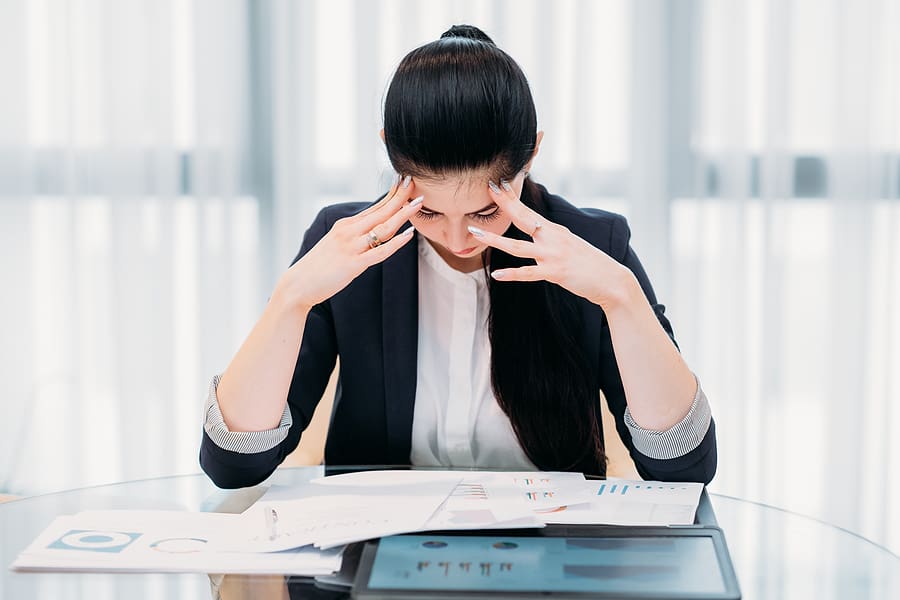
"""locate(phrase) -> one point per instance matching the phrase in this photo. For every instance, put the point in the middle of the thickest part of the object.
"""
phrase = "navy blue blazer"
(372, 324)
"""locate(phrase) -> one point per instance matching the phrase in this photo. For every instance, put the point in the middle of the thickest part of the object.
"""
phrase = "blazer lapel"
(400, 336)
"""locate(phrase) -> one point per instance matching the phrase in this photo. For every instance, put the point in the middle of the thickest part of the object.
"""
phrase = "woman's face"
(450, 206)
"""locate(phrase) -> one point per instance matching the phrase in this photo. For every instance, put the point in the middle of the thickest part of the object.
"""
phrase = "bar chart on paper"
(650, 490)
(629, 502)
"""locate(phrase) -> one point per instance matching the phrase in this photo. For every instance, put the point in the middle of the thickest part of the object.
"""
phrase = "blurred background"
(161, 159)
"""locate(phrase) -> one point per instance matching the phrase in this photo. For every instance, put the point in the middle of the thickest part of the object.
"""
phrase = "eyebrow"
(474, 212)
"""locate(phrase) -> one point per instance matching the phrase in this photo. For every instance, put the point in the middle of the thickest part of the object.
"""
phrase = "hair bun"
(467, 31)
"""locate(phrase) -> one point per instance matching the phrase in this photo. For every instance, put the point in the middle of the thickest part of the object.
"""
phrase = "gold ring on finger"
(373, 240)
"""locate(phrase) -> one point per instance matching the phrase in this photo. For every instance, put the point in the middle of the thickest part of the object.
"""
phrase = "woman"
(482, 334)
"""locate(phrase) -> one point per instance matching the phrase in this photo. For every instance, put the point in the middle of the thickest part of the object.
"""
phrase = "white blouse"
(457, 421)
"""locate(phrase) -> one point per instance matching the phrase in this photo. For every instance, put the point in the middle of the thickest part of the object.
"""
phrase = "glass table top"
(776, 554)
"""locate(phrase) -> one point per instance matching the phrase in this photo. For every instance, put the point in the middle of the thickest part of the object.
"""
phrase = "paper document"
(629, 502)
(352, 507)
(328, 514)
(159, 542)
(300, 530)
(507, 500)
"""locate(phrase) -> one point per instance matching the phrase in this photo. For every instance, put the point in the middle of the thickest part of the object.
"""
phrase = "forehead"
(455, 194)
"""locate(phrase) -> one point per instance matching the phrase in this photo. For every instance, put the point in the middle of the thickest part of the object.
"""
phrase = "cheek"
(429, 229)
(499, 226)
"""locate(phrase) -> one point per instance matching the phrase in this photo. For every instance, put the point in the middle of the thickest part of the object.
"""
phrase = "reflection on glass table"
(776, 554)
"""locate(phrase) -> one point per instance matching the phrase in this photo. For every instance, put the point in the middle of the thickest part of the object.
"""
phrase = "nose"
(458, 237)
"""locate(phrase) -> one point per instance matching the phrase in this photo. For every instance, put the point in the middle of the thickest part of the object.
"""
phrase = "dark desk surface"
(776, 554)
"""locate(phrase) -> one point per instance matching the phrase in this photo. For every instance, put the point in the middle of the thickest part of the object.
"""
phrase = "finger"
(382, 212)
(385, 231)
(523, 217)
(527, 273)
(520, 248)
(380, 253)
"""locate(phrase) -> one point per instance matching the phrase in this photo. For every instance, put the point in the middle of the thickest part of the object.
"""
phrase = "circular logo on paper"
(179, 545)
(94, 541)
(505, 545)
(434, 544)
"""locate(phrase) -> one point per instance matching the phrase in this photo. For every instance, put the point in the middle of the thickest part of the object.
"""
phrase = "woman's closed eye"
(427, 215)
(488, 216)
(484, 216)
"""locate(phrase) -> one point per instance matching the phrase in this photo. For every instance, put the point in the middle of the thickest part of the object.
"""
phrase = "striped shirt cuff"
(678, 440)
(245, 442)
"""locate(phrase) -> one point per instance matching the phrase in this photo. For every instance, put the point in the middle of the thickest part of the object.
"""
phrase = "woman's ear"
(537, 146)
(381, 133)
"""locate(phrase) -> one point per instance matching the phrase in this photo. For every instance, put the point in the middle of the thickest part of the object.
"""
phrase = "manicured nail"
(493, 187)
(417, 201)
(406, 181)
(498, 274)
(396, 180)
(475, 231)
(506, 185)
(408, 231)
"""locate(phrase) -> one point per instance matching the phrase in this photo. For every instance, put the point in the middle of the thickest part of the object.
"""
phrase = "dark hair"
(460, 104)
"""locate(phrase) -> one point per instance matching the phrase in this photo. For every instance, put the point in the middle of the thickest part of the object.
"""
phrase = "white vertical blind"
(159, 162)
(132, 244)
(786, 254)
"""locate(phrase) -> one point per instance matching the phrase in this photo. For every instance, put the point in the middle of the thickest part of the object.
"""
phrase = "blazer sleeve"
(315, 362)
(698, 464)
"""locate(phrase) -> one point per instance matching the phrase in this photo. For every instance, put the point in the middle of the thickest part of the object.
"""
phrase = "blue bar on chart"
(612, 489)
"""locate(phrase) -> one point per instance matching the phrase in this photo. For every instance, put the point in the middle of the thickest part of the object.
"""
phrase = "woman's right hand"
(348, 248)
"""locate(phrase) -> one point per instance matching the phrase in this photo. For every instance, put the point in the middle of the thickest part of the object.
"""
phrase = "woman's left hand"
(562, 257)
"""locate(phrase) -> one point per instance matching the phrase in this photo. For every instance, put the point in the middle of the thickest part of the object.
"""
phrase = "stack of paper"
(300, 530)
(353, 507)
(358, 506)
(327, 513)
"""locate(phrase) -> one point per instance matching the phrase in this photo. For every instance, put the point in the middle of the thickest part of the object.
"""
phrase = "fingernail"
(506, 185)
(493, 187)
(417, 201)
(408, 231)
(498, 274)
(475, 231)
(406, 181)
(396, 180)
